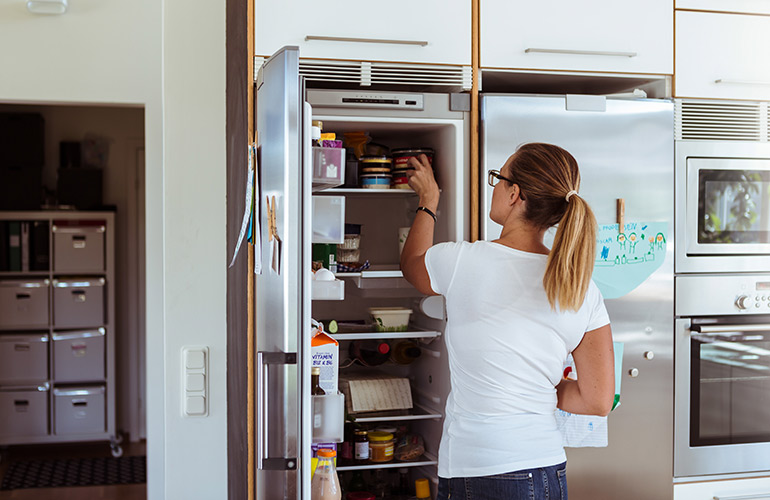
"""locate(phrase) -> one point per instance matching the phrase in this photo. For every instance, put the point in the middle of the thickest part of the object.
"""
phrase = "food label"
(362, 451)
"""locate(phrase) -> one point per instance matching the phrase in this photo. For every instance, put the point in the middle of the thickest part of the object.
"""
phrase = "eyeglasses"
(494, 176)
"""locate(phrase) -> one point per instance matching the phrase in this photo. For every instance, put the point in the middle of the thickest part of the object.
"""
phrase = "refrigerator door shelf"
(328, 168)
(328, 290)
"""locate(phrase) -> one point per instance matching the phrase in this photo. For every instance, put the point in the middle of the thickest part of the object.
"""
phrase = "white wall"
(169, 58)
(194, 160)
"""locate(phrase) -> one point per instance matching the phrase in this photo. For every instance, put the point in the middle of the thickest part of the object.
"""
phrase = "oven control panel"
(721, 295)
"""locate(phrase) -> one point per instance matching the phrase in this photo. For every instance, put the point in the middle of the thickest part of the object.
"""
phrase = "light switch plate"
(195, 386)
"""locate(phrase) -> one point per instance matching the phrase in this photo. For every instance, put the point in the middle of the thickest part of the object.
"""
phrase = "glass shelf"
(410, 334)
(417, 413)
(388, 276)
(368, 192)
(345, 465)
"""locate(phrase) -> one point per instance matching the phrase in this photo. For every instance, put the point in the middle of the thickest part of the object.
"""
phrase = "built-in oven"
(722, 375)
(722, 207)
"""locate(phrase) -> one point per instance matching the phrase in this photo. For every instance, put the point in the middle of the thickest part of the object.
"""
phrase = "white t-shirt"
(507, 349)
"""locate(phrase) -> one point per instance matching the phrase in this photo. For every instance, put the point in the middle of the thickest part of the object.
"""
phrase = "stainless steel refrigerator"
(285, 297)
(624, 148)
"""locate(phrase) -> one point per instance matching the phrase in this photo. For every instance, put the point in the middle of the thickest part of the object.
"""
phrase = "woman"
(515, 310)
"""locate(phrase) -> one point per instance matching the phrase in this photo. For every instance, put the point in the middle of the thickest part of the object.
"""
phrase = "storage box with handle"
(24, 304)
(79, 356)
(78, 302)
(78, 246)
(79, 410)
(24, 411)
(23, 358)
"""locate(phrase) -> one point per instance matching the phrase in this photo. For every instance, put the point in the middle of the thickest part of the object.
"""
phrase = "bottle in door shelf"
(405, 352)
(315, 387)
(325, 484)
(370, 352)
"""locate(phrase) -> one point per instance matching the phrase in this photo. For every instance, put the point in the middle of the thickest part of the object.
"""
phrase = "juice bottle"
(325, 484)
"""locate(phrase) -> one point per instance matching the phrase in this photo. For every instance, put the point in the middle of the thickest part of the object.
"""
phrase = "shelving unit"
(369, 192)
(75, 315)
(419, 412)
(410, 334)
(426, 459)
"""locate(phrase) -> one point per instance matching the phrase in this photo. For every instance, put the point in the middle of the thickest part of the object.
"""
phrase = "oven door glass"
(733, 207)
(730, 388)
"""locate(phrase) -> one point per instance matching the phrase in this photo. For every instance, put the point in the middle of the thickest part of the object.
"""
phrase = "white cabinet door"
(590, 35)
(722, 56)
(745, 6)
(425, 31)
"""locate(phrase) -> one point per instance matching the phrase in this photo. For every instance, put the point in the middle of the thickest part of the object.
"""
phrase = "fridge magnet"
(625, 259)
(273, 239)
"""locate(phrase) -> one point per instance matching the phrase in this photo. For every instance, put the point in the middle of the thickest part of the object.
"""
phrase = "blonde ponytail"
(549, 179)
(571, 260)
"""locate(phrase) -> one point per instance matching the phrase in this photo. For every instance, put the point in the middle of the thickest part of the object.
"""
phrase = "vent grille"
(372, 73)
(721, 120)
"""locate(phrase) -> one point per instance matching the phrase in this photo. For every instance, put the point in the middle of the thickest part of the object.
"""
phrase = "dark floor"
(50, 451)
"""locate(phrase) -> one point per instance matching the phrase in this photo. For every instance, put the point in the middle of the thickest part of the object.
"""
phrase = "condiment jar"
(381, 446)
(361, 446)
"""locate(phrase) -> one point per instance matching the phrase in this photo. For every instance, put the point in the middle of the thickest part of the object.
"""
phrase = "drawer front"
(23, 304)
(547, 35)
(78, 303)
(78, 249)
(722, 56)
(23, 413)
(23, 358)
(79, 411)
(78, 356)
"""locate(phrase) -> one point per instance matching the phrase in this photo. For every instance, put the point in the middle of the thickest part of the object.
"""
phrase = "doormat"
(75, 472)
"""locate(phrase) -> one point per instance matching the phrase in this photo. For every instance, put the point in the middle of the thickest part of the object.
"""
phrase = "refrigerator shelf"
(368, 192)
(419, 413)
(346, 465)
(410, 334)
(378, 276)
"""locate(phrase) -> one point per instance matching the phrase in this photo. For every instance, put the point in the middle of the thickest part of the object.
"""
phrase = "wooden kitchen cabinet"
(723, 56)
(592, 35)
(425, 31)
(743, 6)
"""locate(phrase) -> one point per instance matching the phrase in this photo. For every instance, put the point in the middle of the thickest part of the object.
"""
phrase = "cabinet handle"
(761, 496)
(421, 43)
(740, 82)
(22, 296)
(21, 347)
(580, 52)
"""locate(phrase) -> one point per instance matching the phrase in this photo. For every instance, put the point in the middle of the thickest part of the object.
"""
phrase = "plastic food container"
(381, 446)
(390, 319)
(375, 181)
(375, 162)
(352, 242)
(400, 181)
(401, 156)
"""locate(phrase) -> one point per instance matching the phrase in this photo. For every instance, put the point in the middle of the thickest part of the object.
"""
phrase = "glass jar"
(381, 446)
(361, 445)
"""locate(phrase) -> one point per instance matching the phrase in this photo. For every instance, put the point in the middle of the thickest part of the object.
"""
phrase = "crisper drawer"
(23, 411)
(78, 302)
(79, 410)
(23, 304)
(23, 358)
(78, 246)
(78, 356)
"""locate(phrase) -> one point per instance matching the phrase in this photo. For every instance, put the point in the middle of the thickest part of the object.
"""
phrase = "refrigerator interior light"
(56, 7)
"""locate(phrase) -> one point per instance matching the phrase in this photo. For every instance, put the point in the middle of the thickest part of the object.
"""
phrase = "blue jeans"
(544, 483)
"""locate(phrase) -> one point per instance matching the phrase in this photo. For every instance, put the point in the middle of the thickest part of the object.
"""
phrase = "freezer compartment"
(78, 302)
(23, 411)
(79, 356)
(23, 304)
(23, 358)
(78, 246)
(79, 410)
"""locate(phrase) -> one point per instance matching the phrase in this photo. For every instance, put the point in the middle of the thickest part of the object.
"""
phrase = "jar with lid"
(381, 446)
(361, 440)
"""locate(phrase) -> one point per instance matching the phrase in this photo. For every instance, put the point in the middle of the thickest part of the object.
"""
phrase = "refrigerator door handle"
(264, 359)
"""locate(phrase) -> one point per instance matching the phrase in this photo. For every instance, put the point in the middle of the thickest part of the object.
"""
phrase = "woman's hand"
(423, 183)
